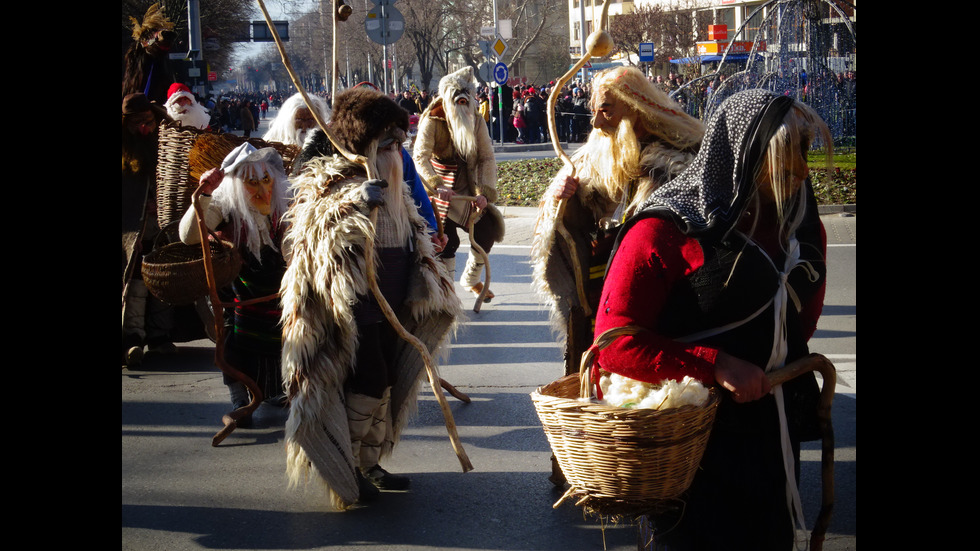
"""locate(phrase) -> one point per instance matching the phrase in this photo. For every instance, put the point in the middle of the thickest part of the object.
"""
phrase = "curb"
(850, 208)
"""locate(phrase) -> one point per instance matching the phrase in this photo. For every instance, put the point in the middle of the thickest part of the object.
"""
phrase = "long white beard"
(299, 136)
(394, 226)
(612, 160)
(462, 124)
(194, 115)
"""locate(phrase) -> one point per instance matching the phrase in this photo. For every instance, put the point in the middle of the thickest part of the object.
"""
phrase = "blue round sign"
(500, 73)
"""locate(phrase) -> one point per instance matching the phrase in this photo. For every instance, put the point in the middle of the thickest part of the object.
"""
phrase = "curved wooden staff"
(819, 363)
(230, 419)
(479, 250)
(598, 44)
(434, 381)
(372, 172)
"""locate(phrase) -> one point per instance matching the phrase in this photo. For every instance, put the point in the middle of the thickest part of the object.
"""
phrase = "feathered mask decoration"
(154, 20)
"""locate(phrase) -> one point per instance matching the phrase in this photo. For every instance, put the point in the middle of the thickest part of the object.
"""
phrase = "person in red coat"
(724, 269)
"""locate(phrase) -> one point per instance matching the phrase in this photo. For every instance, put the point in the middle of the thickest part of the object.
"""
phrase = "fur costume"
(587, 213)
(329, 226)
(474, 176)
(147, 64)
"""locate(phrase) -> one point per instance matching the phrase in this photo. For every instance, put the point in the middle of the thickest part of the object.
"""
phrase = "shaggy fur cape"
(329, 227)
(552, 268)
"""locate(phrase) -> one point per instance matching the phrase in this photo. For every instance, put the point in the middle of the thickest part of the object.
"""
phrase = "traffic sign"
(500, 74)
(646, 51)
(486, 72)
(384, 24)
(499, 47)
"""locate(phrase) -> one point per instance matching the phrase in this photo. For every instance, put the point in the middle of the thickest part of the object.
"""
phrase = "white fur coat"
(329, 225)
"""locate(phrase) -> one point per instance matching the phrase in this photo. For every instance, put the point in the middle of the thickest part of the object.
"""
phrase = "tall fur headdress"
(362, 114)
(462, 80)
(154, 20)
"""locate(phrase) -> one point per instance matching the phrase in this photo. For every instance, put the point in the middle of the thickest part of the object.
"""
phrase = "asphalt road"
(179, 492)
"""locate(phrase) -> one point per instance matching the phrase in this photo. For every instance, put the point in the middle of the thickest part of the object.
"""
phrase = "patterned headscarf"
(709, 196)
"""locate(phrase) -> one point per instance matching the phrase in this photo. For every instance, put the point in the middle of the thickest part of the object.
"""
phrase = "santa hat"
(178, 90)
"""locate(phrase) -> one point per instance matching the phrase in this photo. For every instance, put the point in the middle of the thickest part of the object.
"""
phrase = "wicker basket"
(174, 272)
(617, 459)
(184, 153)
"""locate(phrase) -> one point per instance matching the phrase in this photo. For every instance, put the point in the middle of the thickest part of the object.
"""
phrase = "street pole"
(194, 38)
(500, 87)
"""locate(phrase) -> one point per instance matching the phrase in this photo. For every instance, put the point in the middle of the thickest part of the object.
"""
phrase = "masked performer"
(147, 65)
(295, 121)
(244, 202)
(184, 108)
(724, 267)
(145, 318)
(352, 380)
(639, 140)
(454, 156)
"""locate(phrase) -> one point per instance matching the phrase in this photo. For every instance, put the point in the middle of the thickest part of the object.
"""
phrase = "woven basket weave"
(174, 272)
(185, 153)
(617, 459)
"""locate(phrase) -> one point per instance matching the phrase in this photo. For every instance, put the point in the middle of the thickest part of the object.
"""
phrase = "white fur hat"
(463, 80)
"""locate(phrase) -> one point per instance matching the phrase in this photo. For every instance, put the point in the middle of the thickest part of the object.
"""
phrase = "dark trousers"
(482, 231)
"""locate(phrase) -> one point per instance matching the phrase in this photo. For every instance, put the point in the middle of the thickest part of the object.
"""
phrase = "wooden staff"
(230, 419)
(372, 172)
(598, 44)
(479, 250)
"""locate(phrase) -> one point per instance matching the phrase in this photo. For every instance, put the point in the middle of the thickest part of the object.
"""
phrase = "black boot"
(368, 492)
(385, 480)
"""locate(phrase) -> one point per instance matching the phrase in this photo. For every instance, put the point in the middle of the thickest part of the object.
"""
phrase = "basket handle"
(603, 340)
(811, 362)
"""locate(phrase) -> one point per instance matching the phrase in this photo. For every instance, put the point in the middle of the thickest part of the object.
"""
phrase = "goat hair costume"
(551, 259)
(329, 228)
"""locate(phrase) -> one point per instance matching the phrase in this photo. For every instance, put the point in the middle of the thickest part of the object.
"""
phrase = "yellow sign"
(499, 47)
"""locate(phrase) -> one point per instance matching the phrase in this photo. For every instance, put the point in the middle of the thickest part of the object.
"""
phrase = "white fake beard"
(394, 227)
(462, 123)
(299, 136)
(193, 115)
(614, 159)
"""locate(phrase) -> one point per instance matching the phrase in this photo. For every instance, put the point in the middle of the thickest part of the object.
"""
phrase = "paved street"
(179, 492)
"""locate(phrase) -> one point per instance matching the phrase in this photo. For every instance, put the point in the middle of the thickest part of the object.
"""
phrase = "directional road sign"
(500, 74)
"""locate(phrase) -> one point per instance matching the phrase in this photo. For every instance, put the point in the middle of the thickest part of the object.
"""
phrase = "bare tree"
(224, 21)
(673, 29)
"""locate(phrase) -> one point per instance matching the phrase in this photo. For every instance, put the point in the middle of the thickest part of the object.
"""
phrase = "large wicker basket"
(616, 459)
(185, 153)
(174, 272)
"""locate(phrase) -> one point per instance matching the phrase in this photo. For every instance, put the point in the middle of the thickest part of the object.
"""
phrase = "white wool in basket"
(624, 392)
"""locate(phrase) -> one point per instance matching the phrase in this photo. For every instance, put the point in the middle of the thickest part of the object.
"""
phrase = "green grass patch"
(523, 183)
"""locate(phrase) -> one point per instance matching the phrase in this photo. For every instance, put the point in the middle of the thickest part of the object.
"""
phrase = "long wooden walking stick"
(820, 364)
(598, 44)
(372, 172)
(481, 298)
(434, 381)
(232, 418)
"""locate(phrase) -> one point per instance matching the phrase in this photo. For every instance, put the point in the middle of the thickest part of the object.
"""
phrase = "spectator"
(248, 121)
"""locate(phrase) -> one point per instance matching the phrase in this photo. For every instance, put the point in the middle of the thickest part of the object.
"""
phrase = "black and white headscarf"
(707, 200)
(708, 197)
